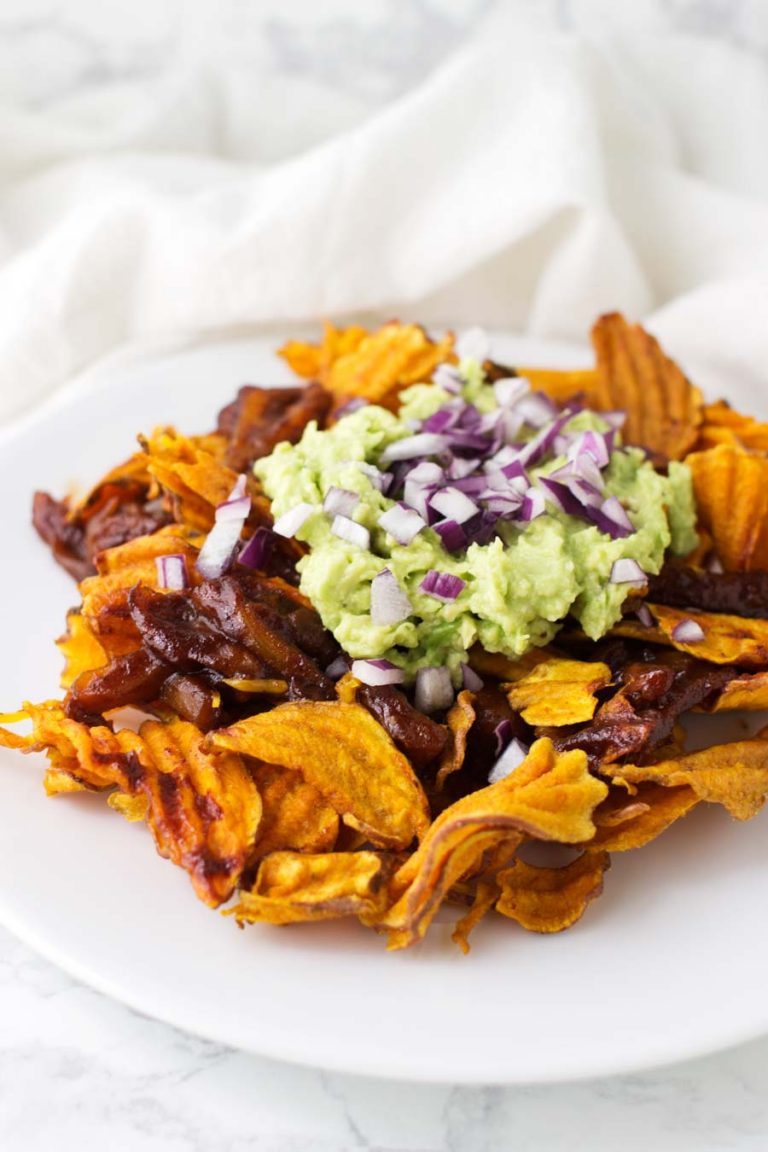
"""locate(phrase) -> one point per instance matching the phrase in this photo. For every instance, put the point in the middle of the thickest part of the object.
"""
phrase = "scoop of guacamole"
(517, 589)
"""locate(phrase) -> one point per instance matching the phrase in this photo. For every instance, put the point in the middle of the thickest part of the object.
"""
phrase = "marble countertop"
(80, 1071)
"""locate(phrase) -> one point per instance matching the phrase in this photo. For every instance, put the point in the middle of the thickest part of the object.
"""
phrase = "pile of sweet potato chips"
(306, 798)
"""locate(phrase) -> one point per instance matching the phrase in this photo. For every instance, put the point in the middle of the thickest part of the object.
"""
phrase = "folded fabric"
(530, 182)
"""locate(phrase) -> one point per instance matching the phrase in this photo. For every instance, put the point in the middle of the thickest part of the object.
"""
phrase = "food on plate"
(376, 638)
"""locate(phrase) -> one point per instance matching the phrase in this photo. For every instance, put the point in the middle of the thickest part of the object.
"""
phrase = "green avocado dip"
(548, 502)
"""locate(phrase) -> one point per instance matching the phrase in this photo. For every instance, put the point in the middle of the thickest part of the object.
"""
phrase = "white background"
(77, 1071)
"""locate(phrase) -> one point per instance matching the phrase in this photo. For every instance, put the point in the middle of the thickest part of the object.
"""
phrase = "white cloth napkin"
(532, 181)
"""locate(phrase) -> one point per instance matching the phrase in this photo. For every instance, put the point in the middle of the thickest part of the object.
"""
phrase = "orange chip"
(203, 809)
(503, 667)
(387, 361)
(80, 648)
(731, 491)
(485, 896)
(292, 888)
(294, 814)
(341, 750)
(314, 361)
(558, 691)
(734, 775)
(632, 825)
(747, 693)
(723, 425)
(460, 719)
(551, 899)
(550, 796)
(664, 410)
(562, 386)
(727, 639)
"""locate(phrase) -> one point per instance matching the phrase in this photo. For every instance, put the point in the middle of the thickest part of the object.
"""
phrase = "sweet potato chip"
(664, 410)
(203, 809)
(460, 719)
(558, 691)
(550, 796)
(551, 899)
(744, 693)
(80, 648)
(314, 361)
(633, 824)
(731, 491)
(292, 887)
(385, 362)
(734, 775)
(294, 814)
(485, 896)
(503, 667)
(341, 750)
(727, 639)
(723, 425)
(562, 386)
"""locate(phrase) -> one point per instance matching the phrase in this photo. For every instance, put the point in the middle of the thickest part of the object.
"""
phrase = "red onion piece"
(536, 409)
(447, 377)
(441, 420)
(688, 632)
(645, 616)
(714, 564)
(340, 501)
(404, 524)
(503, 733)
(561, 497)
(234, 509)
(337, 668)
(533, 505)
(611, 518)
(257, 551)
(351, 532)
(172, 572)
(461, 467)
(389, 603)
(442, 585)
(454, 505)
(379, 480)
(628, 571)
(512, 757)
(452, 535)
(590, 444)
(509, 389)
(376, 673)
(470, 679)
(434, 690)
(615, 419)
(220, 543)
(422, 444)
(294, 519)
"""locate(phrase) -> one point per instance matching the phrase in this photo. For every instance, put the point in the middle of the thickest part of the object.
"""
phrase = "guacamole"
(518, 581)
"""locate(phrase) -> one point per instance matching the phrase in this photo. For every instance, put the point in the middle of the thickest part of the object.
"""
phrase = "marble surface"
(79, 1071)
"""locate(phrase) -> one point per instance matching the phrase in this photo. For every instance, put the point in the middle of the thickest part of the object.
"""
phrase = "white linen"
(532, 181)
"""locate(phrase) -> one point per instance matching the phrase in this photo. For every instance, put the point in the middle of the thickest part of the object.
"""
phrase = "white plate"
(669, 963)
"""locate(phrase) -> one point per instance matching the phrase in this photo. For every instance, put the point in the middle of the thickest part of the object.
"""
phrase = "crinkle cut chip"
(664, 410)
(202, 808)
(550, 796)
(343, 752)
(730, 486)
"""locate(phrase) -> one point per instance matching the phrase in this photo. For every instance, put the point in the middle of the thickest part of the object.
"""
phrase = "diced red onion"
(536, 409)
(509, 390)
(340, 501)
(645, 616)
(236, 508)
(452, 535)
(441, 420)
(585, 493)
(615, 510)
(337, 668)
(442, 585)
(454, 505)
(404, 524)
(351, 531)
(470, 679)
(503, 733)
(294, 519)
(585, 468)
(257, 551)
(389, 603)
(714, 564)
(615, 419)
(376, 673)
(627, 571)
(461, 466)
(688, 632)
(447, 377)
(611, 518)
(172, 572)
(511, 758)
(473, 344)
(434, 690)
(533, 505)
(541, 443)
(240, 488)
(591, 444)
(422, 444)
(379, 480)
(561, 497)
